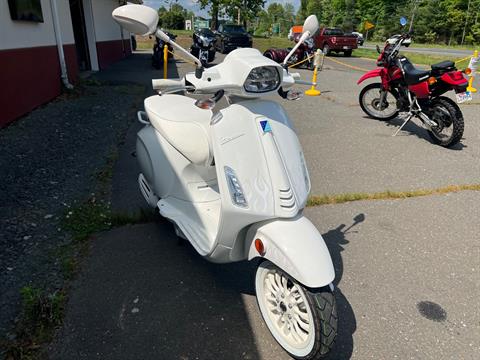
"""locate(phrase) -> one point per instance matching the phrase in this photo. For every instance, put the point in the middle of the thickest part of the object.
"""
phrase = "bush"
(430, 37)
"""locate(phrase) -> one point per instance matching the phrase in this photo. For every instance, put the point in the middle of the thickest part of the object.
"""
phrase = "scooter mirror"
(137, 19)
(403, 21)
(310, 25)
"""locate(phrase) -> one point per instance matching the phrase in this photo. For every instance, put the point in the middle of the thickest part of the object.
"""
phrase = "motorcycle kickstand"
(405, 123)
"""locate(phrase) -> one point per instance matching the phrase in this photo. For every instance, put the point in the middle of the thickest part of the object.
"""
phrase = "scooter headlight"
(262, 79)
(236, 191)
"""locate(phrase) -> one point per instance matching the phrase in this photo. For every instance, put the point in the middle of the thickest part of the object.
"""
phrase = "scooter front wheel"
(303, 321)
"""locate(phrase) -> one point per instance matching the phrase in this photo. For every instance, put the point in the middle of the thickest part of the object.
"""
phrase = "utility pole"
(466, 21)
(413, 14)
(238, 16)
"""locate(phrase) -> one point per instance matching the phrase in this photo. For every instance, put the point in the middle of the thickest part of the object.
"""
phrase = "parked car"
(335, 40)
(230, 36)
(360, 39)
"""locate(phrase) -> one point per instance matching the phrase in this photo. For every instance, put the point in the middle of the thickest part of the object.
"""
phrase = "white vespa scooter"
(234, 182)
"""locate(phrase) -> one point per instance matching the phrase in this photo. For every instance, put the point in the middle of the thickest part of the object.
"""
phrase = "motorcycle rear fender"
(295, 246)
(454, 78)
(372, 73)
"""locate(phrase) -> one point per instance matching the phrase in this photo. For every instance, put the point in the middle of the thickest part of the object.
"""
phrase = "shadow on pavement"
(413, 129)
(143, 294)
(136, 69)
(336, 240)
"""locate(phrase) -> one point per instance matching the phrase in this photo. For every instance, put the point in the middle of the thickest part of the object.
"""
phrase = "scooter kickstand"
(405, 123)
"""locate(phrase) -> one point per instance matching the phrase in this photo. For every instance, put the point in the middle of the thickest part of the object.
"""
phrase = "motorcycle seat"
(444, 65)
(182, 124)
(412, 75)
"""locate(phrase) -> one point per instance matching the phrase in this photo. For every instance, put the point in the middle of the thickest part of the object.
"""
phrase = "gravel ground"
(48, 161)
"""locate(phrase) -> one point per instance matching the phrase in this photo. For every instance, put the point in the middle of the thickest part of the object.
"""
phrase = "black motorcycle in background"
(203, 46)
(157, 57)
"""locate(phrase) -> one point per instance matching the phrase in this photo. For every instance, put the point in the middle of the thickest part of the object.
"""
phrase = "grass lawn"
(182, 32)
(263, 44)
(432, 46)
(416, 58)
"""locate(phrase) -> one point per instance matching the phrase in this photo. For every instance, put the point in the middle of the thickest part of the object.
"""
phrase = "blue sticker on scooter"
(265, 126)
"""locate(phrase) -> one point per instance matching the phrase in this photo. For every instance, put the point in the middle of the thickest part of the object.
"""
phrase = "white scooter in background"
(234, 182)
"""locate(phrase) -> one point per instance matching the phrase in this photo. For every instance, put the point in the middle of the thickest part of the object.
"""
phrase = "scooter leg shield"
(295, 246)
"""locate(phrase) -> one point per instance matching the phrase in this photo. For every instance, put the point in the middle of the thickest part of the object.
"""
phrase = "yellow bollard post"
(165, 60)
(473, 69)
(316, 61)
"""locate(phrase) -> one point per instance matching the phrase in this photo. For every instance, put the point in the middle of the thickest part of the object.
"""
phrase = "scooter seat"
(182, 124)
(412, 75)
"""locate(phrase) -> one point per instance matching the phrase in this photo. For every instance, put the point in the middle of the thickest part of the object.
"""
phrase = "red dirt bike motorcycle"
(403, 88)
(305, 50)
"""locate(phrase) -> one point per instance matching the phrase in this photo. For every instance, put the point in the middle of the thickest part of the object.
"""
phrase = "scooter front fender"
(295, 246)
(372, 73)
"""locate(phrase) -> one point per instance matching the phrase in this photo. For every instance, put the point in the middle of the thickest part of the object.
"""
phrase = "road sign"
(367, 25)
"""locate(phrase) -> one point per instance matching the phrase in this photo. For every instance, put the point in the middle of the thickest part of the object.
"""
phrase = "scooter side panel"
(170, 173)
(279, 139)
(295, 246)
(237, 145)
(257, 141)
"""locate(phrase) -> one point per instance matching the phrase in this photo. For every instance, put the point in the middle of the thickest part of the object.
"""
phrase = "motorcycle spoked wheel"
(450, 122)
(302, 320)
(369, 100)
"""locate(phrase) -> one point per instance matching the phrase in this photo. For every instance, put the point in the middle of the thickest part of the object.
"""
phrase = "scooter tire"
(366, 111)
(457, 122)
(322, 306)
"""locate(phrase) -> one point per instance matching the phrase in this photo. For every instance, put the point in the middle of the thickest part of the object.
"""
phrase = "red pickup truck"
(335, 40)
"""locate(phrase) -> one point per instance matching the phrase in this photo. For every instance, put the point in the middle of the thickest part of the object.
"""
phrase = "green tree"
(249, 9)
(173, 17)
(216, 6)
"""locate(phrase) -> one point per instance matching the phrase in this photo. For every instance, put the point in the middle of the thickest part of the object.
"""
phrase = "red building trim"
(30, 77)
(111, 51)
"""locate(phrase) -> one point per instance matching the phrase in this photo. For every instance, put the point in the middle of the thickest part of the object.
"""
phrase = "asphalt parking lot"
(407, 271)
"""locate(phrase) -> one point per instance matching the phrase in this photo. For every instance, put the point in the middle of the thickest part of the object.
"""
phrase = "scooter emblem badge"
(265, 126)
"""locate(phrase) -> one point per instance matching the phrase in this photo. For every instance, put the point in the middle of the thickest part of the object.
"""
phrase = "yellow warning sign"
(367, 25)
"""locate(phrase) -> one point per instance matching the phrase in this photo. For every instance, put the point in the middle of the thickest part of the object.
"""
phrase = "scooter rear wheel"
(302, 320)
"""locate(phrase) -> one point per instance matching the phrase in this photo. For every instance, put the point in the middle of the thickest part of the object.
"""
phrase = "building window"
(26, 10)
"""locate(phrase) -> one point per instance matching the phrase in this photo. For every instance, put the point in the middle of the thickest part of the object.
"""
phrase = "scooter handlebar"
(167, 84)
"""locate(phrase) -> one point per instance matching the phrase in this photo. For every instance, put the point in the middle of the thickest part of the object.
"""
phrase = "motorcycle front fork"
(416, 110)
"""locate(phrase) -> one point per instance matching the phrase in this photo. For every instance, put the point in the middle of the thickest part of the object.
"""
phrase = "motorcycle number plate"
(346, 47)
(464, 96)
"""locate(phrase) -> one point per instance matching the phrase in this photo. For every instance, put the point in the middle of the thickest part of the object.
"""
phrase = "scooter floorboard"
(198, 221)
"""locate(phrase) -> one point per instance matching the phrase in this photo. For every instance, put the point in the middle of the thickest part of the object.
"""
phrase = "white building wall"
(24, 34)
(65, 19)
(106, 29)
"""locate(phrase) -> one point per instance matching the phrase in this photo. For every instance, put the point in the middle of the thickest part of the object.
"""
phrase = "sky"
(193, 5)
